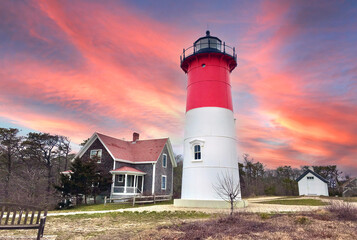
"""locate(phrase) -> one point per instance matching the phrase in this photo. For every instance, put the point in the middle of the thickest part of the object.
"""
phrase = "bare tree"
(228, 188)
(43, 146)
(9, 140)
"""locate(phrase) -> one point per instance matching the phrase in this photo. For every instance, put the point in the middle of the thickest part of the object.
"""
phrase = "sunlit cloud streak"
(75, 67)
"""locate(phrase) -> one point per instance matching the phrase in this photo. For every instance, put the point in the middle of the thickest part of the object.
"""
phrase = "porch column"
(113, 182)
(126, 182)
(142, 184)
(134, 184)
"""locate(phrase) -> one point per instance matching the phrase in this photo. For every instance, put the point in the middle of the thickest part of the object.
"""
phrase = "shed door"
(310, 186)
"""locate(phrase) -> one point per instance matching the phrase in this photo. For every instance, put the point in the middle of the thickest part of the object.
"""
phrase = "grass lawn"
(301, 202)
(346, 199)
(108, 206)
(351, 199)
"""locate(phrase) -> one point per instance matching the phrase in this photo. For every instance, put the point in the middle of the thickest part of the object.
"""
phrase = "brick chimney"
(135, 136)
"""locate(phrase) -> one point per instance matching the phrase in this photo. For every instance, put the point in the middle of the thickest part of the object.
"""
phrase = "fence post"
(133, 201)
(105, 200)
(154, 199)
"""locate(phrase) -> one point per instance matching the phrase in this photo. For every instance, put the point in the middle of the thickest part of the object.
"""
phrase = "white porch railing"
(121, 189)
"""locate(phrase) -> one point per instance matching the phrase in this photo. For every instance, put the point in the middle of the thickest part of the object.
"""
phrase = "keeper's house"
(311, 183)
(138, 167)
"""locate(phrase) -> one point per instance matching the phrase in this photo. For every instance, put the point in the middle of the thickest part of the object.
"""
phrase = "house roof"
(140, 151)
(127, 169)
(312, 172)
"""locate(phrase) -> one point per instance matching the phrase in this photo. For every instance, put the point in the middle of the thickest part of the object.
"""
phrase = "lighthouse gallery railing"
(208, 47)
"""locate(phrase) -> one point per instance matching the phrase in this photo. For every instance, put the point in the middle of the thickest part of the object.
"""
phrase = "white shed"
(311, 183)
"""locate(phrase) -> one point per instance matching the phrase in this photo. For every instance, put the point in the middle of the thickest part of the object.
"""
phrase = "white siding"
(312, 186)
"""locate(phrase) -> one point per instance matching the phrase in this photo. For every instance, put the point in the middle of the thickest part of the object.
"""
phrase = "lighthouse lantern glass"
(208, 43)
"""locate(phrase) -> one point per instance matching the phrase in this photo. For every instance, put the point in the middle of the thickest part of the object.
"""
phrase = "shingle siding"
(107, 161)
(350, 189)
(160, 170)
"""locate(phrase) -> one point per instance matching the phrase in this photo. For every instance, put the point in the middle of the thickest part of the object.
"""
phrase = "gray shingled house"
(349, 188)
(138, 167)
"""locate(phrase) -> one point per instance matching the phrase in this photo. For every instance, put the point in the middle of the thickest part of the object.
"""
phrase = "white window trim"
(163, 177)
(193, 143)
(101, 152)
(164, 166)
(122, 178)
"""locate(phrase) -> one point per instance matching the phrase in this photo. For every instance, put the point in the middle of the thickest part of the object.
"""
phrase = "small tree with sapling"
(85, 179)
(228, 188)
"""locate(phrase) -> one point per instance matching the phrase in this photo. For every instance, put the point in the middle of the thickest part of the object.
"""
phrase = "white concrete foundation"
(208, 203)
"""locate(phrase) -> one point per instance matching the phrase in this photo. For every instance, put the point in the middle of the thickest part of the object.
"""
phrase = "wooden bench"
(14, 216)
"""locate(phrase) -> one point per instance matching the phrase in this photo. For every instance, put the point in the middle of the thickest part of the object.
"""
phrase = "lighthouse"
(210, 144)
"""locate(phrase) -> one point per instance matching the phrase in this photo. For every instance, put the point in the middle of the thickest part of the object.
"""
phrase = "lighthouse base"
(190, 203)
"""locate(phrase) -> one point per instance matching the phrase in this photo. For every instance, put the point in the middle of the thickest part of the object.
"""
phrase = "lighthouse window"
(203, 65)
(197, 152)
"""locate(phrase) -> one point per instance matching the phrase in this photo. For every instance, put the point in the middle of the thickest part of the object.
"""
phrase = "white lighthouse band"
(213, 130)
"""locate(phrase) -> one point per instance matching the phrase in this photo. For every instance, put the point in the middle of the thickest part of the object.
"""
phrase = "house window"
(310, 178)
(164, 160)
(163, 182)
(96, 154)
(197, 152)
(119, 178)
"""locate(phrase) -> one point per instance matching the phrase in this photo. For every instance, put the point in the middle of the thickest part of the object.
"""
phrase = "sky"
(74, 67)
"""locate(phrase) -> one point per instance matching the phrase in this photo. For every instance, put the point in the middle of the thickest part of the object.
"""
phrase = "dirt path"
(253, 206)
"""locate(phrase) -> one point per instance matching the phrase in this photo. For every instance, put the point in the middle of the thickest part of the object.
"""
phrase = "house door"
(140, 183)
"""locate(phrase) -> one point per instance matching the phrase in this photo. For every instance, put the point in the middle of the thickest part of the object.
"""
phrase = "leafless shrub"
(228, 188)
(343, 210)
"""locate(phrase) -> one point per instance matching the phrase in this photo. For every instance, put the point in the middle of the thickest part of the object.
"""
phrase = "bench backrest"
(15, 214)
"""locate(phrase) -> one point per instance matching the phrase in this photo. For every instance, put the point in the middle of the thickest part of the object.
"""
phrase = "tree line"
(257, 180)
(30, 166)
(30, 169)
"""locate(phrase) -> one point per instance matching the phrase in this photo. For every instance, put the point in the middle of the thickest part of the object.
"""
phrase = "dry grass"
(321, 224)
(343, 210)
(317, 225)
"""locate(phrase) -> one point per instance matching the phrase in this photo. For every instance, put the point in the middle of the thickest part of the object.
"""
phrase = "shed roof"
(312, 172)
